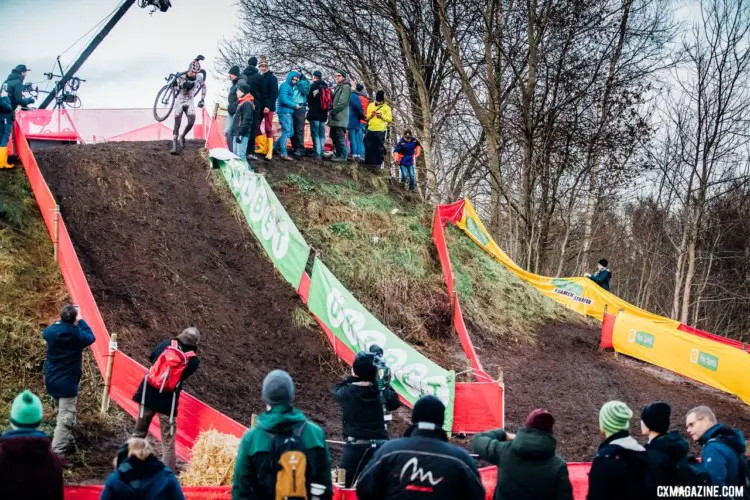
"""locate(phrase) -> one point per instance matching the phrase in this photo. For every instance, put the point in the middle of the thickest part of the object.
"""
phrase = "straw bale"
(212, 462)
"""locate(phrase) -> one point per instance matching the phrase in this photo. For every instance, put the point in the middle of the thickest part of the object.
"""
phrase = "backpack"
(166, 372)
(691, 472)
(326, 100)
(290, 462)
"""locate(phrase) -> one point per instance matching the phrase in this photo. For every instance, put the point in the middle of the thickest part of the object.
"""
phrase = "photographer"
(15, 88)
(363, 413)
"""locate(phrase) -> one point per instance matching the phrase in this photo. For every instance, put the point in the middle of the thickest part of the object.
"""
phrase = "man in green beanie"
(29, 469)
(274, 444)
(621, 469)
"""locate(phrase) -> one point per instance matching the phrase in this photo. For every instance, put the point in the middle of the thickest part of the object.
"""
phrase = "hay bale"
(212, 463)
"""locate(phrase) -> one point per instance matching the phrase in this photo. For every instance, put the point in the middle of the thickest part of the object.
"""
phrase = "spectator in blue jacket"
(355, 132)
(286, 106)
(139, 474)
(723, 447)
(300, 91)
(602, 276)
(405, 154)
(66, 341)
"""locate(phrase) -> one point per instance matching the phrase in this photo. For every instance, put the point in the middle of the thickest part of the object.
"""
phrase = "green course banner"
(267, 218)
(413, 374)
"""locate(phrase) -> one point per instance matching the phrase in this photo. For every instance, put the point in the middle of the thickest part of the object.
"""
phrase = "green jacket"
(527, 466)
(339, 115)
(254, 470)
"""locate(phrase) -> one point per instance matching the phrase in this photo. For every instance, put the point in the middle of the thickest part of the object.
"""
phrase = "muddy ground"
(162, 251)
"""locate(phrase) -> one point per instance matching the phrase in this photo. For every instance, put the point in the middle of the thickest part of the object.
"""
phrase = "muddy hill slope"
(163, 251)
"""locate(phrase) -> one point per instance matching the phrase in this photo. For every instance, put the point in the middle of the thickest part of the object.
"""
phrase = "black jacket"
(232, 97)
(29, 469)
(161, 402)
(420, 467)
(314, 111)
(621, 470)
(362, 409)
(15, 91)
(270, 92)
(527, 465)
(255, 80)
(666, 452)
(243, 120)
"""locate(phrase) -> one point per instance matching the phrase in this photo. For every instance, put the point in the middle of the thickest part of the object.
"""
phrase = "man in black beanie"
(667, 451)
(602, 276)
(363, 415)
(422, 464)
(255, 80)
(234, 77)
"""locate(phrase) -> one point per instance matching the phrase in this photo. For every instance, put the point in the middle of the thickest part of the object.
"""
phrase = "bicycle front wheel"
(164, 103)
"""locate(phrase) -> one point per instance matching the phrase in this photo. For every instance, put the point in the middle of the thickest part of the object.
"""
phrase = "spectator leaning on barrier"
(316, 114)
(422, 464)
(338, 118)
(301, 91)
(724, 448)
(267, 105)
(6, 125)
(285, 108)
(282, 425)
(602, 276)
(165, 403)
(621, 469)
(354, 129)
(29, 469)
(234, 77)
(378, 117)
(527, 464)
(66, 340)
(139, 474)
(243, 129)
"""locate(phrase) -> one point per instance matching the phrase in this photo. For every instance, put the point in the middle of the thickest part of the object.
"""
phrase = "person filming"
(363, 408)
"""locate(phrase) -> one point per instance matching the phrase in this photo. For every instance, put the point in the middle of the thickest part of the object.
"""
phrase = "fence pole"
(56, 230)
(108, 374)
(253, 420)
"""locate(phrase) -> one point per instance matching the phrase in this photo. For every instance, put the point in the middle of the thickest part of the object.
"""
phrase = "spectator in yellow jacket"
(378, 116)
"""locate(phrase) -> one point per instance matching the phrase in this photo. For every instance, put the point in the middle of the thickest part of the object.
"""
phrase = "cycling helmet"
(195, 66)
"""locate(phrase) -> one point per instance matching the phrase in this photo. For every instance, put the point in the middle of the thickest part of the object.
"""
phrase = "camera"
(384, 373)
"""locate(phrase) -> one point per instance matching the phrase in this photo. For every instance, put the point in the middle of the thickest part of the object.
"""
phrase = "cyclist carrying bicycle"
(185, 86)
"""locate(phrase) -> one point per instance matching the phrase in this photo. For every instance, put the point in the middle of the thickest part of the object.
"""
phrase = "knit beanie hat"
(364, 367)
(278, 388)
(190, 336)
(26, 411)
(379, 96)
(604, 262)
(234, 70)
(252, 62)
(541, 420)
(343, 73)
(263, 60)
(244, 87)
(614, 417)
(317, 74)
(656, 416)
(428, 410)
(360, 87)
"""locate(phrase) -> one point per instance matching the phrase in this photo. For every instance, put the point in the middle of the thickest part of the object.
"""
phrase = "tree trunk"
(691, 243)
(678, 275)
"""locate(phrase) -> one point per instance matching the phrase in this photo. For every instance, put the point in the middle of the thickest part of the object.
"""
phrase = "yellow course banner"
(577, 293)
(712, 363)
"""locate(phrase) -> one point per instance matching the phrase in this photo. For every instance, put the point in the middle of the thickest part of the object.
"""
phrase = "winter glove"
(32, 100)
(201, 103)
(238, 139)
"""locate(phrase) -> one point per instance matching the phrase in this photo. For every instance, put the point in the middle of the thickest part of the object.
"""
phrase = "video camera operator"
(364, 403)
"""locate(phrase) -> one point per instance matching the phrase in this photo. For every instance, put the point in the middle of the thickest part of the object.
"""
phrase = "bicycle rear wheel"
(164, 103)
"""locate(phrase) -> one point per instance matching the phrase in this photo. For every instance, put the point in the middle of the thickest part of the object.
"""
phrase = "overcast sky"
(129, 66)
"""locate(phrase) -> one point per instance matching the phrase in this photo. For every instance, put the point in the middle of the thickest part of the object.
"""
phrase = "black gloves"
(201, 103)
(238, 139)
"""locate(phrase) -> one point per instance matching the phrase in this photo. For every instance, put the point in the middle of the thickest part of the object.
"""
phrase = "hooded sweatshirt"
(62, 368)
(286, 103)
(667, 452)
(252, 477)
(621, 470)
(254, 79)
(136, 479)
(15, 90)
(243, 120)
(29, 469)
(527, 465)
(723, 450)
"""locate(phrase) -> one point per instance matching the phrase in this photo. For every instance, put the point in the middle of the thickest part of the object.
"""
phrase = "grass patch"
(301, 318)
(31, 294)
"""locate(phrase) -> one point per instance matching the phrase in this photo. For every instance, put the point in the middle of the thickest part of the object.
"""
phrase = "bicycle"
(164, 102)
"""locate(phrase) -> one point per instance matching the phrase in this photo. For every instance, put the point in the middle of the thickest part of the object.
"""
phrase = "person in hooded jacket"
(139, 475)
(667, 451)
(422, 464)
(300, 91)
(66, 340)
(153, 402)
(602, 276)
(338, 118)
(378, 116)
(354, 129)
(363, 417)
(316, 115)
(527, 464)
(253, 477)
(15, 88)
(244, 128)
(724, 448)
(405, 154)
(285, 108)
(234, 77)
(29, 469)
(254, 79)
(621, 469)
(266, 105)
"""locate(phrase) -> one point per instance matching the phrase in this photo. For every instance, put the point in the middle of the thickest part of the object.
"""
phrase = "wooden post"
(469, 371)
(605, 308)
(216, 110)
(341, 479)
(56, 230)
(253, 420)
(108, 375)
(500, 381)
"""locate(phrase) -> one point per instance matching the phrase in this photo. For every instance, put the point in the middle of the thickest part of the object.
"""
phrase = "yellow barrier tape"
(712, 363)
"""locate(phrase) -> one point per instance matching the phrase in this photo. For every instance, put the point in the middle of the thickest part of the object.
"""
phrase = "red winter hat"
(541, 420)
